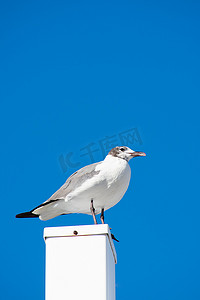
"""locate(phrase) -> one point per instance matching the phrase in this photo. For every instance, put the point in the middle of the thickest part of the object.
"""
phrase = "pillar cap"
(81, 230)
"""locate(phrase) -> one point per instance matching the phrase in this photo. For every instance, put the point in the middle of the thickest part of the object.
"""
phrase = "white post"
(80, 263)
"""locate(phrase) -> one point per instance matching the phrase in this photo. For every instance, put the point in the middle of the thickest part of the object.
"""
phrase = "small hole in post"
(75, 232)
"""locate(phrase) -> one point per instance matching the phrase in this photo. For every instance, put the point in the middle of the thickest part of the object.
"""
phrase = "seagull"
(90, 190)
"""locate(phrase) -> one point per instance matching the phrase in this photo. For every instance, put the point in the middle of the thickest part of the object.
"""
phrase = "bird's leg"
(102, 216)
(93, 211)
(102, 221)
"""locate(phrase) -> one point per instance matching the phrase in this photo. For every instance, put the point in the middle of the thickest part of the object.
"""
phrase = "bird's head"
(125, 153)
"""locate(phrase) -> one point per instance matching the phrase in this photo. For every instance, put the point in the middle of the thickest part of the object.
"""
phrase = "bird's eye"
(122, 149)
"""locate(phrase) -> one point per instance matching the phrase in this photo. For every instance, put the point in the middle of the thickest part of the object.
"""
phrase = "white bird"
(90, 190)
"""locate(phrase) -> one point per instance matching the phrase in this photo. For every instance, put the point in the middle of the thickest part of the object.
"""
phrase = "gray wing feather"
(74, 181)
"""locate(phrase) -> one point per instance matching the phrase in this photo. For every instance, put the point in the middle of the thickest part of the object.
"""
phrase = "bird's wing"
(74, 181)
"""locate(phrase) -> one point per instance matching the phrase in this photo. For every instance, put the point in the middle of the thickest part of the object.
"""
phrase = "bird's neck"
(113, 159)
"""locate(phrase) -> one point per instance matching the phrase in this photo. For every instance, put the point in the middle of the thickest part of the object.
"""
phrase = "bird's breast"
(105, 188)
(116, 174)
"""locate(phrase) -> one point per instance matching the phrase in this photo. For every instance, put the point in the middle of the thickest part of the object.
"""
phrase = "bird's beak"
(137, 153)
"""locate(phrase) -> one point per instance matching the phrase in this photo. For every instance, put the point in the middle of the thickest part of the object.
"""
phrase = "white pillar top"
(81, 230)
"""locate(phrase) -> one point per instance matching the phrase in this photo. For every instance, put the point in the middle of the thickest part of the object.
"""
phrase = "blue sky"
(79, 73)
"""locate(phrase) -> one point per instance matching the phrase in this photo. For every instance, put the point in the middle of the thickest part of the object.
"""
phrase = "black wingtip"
(27, 214)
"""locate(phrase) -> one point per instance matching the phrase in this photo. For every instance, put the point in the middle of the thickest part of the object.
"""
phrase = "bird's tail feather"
(49, 210)
(45, 211)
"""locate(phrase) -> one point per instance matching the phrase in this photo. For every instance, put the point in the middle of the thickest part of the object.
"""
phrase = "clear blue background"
(72, 73)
